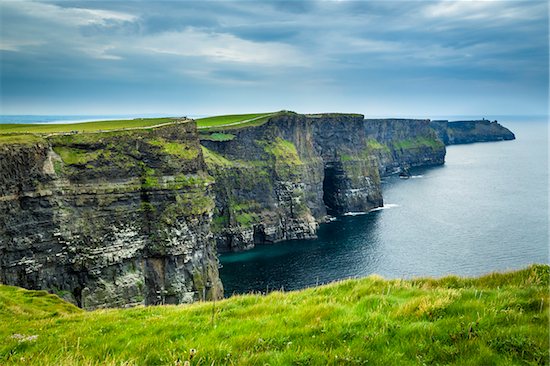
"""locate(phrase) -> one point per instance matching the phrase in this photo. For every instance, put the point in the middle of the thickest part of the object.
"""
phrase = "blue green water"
(485, 210)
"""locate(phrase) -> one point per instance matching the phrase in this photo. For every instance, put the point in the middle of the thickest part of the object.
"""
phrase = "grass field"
(209, 123)
(233, 120)
(82, 127)
(498, 319)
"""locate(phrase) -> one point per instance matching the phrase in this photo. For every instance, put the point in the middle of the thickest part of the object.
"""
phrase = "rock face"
(109, 219)
(400, 144)
(464, 132)
(277, 181)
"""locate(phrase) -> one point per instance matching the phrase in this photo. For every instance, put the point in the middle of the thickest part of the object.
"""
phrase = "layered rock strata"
(271, 179)
(109, 219)
(401, 144)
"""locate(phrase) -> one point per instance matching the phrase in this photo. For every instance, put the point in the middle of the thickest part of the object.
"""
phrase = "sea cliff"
(131, 217)
(287, 175)
(400, 144)
(464, 132)
(109, 219)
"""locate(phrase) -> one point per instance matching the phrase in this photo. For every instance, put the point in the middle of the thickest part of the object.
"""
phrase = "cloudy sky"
(417, 58)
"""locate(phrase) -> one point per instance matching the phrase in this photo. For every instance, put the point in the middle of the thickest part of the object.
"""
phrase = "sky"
(379, 58)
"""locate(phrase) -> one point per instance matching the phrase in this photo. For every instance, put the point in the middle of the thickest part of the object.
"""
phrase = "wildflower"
(192, 353)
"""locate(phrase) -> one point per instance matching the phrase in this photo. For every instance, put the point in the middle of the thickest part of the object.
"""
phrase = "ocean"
(485, 210)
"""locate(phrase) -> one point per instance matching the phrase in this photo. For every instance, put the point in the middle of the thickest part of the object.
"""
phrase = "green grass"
(178, 149)
(213, 159)
(83, 126)
(207, 124)
(20, 139)
(498, 319)
(216, 121)
(284, 151)
(418, 143)
(73, 156)
(218, 136)
(373, 144)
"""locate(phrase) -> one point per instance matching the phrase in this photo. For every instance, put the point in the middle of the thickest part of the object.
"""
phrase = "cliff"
(136, 216)
(464, 132)
(278, 180)
(400, 144)
(109, 219)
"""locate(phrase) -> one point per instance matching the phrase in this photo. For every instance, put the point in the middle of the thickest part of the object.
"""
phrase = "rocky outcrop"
(401, 144)
(278, 180)
(109, 219)
(464, 132)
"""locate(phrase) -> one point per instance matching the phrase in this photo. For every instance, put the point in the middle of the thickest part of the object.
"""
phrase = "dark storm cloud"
(365, 56)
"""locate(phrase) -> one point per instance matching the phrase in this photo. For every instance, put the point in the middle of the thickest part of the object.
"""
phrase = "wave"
(385, 207)
(356, 213)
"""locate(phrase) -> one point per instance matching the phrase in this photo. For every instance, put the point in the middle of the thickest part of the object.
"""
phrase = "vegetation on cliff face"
(178, 149)
(217, 136)
(373, 144)
(497, 319)
(418, 142)
(213, 159)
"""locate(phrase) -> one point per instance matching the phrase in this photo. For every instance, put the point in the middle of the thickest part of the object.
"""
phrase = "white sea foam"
(385, 207)
(356, 213)
(417, 176)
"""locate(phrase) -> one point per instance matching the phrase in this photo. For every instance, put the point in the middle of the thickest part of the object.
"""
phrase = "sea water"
(485, 210)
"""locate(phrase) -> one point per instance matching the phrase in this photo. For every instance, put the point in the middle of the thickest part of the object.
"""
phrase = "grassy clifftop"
(209, 123)
(498, 319)
(84, 126)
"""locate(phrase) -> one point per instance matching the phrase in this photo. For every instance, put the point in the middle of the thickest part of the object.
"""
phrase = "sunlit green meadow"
(498, 319)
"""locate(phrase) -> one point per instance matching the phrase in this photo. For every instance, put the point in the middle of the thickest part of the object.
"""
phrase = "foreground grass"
(498, 319)
(82, 126)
